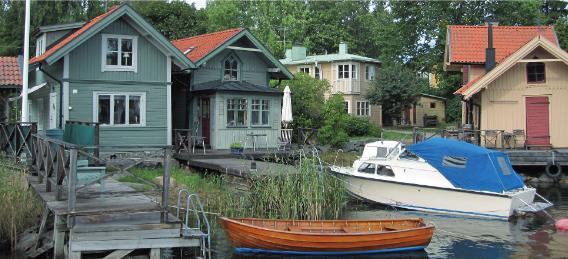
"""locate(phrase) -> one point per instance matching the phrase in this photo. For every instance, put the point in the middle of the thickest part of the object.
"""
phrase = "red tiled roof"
(74, 35)
(468, 85)
(468, 43)
(10, 71)
(204, 44)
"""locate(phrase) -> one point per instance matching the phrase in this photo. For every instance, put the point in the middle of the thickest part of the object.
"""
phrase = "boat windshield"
(368, 168)
(382, 151)
(409, 155)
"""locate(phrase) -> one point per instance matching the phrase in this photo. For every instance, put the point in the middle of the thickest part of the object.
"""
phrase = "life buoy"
(553, 171)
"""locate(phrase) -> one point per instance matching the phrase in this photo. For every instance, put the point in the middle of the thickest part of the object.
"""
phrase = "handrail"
(191, 199)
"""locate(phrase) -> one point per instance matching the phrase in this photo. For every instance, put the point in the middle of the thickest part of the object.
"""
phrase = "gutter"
(60, 94)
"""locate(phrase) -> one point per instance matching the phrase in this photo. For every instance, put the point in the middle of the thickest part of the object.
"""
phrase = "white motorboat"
(443, 176)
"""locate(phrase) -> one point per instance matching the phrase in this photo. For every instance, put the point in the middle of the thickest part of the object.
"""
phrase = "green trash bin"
(54, 134)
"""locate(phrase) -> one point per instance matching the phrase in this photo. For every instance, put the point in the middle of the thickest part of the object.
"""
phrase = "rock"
(160, 179)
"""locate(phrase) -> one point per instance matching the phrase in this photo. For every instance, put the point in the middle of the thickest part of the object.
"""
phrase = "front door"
(205, 113)
(538, 128)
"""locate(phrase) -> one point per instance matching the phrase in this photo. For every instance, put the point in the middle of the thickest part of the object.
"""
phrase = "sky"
(198, 3)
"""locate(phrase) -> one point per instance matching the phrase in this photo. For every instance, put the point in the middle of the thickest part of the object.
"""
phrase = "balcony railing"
(346, 86)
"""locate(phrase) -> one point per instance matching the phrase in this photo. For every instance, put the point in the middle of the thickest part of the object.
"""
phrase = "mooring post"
(166, 183)
(72, 184)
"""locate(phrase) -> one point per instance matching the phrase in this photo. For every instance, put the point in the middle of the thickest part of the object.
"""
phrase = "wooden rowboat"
(327, 237)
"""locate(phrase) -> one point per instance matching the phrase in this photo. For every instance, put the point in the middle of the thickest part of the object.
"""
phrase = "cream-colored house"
(429, 110)
(523, 88)
(347, 73)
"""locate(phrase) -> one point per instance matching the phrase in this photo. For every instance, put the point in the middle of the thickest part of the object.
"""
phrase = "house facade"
(429, 110)
(514, 80)
(228, 95)
(115, 69)
(10, 84)
(348, 74)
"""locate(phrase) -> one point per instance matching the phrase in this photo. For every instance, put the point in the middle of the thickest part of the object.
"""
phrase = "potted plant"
(237, 148)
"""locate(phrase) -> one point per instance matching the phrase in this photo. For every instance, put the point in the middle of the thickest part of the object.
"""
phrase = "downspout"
(61, 118)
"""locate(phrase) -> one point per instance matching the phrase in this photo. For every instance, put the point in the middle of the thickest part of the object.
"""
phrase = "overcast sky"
(198, 3)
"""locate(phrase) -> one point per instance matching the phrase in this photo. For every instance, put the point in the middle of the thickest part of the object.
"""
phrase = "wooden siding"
(503, 102)
(252, 68)
(423, 108)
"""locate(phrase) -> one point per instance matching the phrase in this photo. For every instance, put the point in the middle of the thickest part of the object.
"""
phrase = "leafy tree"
(174, 19)
(333, 131)
(307, 100)
(395, 88)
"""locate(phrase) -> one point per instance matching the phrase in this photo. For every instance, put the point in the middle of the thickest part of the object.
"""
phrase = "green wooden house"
(227, 97)
(115, 69)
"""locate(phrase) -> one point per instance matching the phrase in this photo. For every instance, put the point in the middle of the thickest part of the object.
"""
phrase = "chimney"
(490, 51)
(288, 53)
(298, 53)
(342, 48)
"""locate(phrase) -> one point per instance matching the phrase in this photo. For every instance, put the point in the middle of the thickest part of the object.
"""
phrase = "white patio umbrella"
(287, 107)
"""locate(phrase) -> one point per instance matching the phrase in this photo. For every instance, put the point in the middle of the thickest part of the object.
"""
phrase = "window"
(369, 72)
(119, 53)
(317, 73)
(385, 171)
(342, 71)
(305, 70)
(535, 73)
(236, 112)
(40, 46)
(504, 165)
(346, 106)
(260, 112)
(432, 105)
(454, 161)
(353, 71)
(125, 109)
(367, 168)
(231, 69)
(363, 108)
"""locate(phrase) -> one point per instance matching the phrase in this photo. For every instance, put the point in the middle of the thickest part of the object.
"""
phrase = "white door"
(53, 110)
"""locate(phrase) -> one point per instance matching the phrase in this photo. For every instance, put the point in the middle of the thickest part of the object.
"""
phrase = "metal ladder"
(201, 229)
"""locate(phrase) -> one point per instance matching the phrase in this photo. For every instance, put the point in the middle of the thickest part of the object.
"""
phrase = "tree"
(307, 100)
(395, 88)
(175, 19)
(333, 131)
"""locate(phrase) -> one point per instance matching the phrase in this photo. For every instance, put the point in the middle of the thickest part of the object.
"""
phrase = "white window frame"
(348, 72)
(40, 45)
(260, 111)
(126, 120)
(348, 106)
(235, 110)
(370, 72)
(105, 67)
(363, 110)
(319, 74)
(238, 69)
(309, 68)
(354, 71)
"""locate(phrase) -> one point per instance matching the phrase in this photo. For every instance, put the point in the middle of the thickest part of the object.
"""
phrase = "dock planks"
(241, 167)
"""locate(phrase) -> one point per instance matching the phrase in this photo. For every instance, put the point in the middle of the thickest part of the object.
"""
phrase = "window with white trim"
(237, 112)
(369, 72)
(231, 69)
(363, 108)
(120, 109)
(305, 70)
(342, 71)
(317, 72)
(40, 46)
(354, 71)
(119, 52)
(346, 106)
(260, 112)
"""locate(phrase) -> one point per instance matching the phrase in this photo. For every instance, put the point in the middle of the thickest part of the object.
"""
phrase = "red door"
(205, 119)
(538, 128)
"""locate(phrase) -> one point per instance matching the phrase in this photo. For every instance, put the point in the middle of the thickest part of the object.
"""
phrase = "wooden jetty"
(88, 211)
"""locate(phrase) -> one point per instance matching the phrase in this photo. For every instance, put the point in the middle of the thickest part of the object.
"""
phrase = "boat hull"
(247, 238)
(438, 199)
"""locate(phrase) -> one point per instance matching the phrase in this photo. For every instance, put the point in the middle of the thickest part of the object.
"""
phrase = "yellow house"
(520, 85)
(348, 74)
(429, 110)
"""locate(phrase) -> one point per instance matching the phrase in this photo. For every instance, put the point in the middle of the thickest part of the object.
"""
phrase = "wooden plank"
(58, 239)
(74, 255)
(126, 235)
(76, 246)
(118, 254)
(105, 204)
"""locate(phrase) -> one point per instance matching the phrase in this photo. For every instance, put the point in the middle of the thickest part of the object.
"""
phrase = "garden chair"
(196, 139)
(491, 136)
(519, 134)
(285, 140)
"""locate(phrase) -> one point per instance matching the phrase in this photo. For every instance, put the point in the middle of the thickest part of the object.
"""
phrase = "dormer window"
(119, 53)
(231, 69)
(536, 73)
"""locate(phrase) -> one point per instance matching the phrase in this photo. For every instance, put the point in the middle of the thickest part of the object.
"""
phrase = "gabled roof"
(10, 74)
(468, 85)
(233, 86)
(482, 82)
(329, 58)
(201, 48)
(467, 44)
(98, 23)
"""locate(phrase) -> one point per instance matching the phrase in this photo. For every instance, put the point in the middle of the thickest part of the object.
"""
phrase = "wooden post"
(166, 183)
(97, 143)
(58, 238)
(72, 184)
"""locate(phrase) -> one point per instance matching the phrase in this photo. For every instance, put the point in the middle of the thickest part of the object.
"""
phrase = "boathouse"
(514, 82)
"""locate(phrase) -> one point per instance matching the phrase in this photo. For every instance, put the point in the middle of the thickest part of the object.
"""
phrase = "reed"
(19, 207)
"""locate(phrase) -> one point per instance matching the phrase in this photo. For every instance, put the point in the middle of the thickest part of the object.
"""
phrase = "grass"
(345, 159)
(306, 195)
(19, 207)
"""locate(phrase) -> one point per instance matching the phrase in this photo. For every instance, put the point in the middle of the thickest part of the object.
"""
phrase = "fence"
(16, 138)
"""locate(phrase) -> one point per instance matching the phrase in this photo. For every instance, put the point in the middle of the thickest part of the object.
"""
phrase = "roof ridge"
(207, 34)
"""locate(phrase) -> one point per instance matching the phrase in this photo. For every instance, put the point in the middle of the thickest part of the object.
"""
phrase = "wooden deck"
(225, 153)
(537, 157)
(240, 167)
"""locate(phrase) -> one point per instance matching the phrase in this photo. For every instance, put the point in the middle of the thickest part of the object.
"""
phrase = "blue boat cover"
(468, 166)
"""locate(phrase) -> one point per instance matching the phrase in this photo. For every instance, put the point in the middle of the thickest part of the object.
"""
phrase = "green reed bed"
(19, 207)
(309, 194)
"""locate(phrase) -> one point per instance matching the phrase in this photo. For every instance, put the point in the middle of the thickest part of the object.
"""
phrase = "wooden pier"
(88, 212)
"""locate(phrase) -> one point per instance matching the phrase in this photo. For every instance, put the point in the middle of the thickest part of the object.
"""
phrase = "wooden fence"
(16, 138)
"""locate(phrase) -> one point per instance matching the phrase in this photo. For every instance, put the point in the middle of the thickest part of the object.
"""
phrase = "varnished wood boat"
(250, 235)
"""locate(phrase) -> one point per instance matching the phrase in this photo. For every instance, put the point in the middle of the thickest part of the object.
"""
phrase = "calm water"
(458, 237)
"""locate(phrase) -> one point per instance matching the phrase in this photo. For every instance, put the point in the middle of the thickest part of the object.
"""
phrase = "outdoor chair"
(196, 139)
(491, 136)
(519, 135)
(285, 140)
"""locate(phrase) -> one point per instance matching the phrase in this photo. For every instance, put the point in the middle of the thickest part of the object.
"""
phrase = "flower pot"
(237, 151)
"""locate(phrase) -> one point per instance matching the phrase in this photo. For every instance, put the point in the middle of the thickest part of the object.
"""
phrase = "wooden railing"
(16, 138)
(347, 86)
(498, 139)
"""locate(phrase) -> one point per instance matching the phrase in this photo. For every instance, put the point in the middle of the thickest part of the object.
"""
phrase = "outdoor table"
(254, 136)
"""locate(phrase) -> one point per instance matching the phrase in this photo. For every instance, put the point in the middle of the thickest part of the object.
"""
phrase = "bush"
(358, 126)
(335, 122)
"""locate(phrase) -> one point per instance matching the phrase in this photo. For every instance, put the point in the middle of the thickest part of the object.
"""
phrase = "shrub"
(334, 124)
(358, 126)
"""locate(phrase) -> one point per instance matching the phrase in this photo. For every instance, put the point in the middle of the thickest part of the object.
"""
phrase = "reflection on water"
(458, 237)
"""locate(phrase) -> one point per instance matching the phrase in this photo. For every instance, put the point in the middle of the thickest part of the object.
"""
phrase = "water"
(458, 237)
